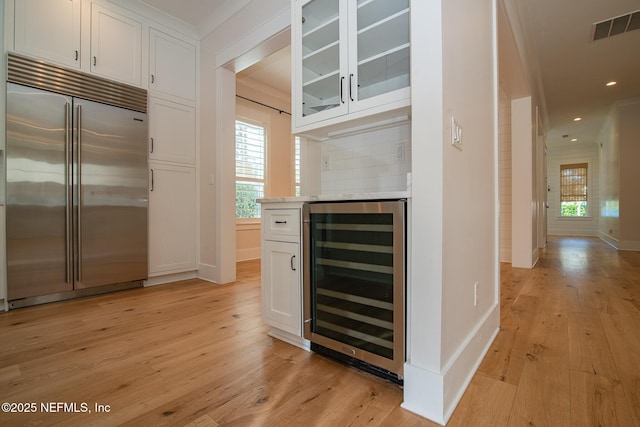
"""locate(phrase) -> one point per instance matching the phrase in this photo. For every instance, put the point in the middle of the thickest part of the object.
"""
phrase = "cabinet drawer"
(281, 222)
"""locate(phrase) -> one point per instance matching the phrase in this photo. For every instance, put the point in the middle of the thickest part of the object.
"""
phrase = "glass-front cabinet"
(349, 57)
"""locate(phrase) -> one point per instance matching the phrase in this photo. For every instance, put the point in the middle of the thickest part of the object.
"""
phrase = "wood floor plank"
(487, 402)
(197, 354)
(598, 401)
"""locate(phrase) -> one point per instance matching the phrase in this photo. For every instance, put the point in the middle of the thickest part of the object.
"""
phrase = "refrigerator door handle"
(68, 192)
(79, 180)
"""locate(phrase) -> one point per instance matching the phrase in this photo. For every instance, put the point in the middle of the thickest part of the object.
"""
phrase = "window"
(573, 189)
(250, 160)
(296, 162)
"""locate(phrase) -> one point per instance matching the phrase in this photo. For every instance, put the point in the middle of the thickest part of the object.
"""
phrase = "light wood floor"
(197, 354)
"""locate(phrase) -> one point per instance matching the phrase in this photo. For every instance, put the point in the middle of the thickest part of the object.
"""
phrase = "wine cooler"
(354, 283)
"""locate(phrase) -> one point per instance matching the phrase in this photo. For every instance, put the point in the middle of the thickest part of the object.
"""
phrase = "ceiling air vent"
(614, 26)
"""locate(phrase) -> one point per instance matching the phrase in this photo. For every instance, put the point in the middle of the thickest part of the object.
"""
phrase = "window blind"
(573, 182)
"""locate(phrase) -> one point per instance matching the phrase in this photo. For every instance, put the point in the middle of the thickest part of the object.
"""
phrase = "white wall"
(570, 153)
(609, 164)
(375, 161)
(454, 209)
(524, 253)
(504, 143)
(629, 119)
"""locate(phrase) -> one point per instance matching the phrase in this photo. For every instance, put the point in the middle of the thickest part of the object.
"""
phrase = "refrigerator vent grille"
(36, 73)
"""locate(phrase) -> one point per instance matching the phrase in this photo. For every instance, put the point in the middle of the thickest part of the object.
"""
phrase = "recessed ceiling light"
(577, 119)
(612, 83)
(574, 139)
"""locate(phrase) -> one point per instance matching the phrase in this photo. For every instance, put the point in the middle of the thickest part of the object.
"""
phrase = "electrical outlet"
(475, 294)
(456, 134)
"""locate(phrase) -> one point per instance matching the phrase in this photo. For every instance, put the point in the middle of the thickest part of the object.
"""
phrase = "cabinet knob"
(95, 61)
(153, 79)
(77, 55)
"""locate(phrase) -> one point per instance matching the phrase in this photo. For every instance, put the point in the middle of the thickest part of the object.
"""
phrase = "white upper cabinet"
(172, 132)
(172, 66)
(351, 60)
(116, 43)
(49, 29)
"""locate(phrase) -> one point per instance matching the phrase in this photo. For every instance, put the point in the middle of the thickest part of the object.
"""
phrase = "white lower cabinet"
(172, 219)
(282, 271)
(281, 306)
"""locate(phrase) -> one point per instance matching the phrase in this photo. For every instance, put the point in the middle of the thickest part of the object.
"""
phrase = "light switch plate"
(326, 162)
(456, 134)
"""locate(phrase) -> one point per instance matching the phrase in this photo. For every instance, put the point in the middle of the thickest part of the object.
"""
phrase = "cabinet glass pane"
(383, 46)
(320, 56)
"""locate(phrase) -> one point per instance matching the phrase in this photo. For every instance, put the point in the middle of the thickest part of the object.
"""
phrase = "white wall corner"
(435, 395)
(225, 176)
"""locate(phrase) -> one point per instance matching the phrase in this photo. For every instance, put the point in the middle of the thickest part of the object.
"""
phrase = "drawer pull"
(293, 267)
(281, 222)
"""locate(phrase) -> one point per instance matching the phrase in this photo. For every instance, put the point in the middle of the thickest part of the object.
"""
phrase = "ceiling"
(573, 69)
(274, 70)
(203, 15)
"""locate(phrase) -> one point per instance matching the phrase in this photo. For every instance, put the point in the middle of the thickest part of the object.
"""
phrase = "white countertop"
(338, 197)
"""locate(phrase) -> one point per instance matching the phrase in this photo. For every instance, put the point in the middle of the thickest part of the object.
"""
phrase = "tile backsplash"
(376, 161)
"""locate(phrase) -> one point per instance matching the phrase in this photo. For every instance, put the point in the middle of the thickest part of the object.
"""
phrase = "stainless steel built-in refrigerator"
(76, 183)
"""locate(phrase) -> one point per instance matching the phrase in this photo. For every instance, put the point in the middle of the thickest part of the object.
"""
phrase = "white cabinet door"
(172, 66)
(49, 29)
(281, 303)
(320, 57)
(379, 52)
(349, 57)
(172, 131)
(116, 46)
(172, 219)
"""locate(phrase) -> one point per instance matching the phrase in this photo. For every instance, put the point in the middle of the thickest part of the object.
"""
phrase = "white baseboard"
(208, 272)
(247, 254)
(290, 338)
(578, 233)
(535, 256)
(608, 239)
(505, 255)
(168, 278)
(629, 245)
(435, 395)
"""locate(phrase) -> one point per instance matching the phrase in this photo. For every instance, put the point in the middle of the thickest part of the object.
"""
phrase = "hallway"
(568, 350)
